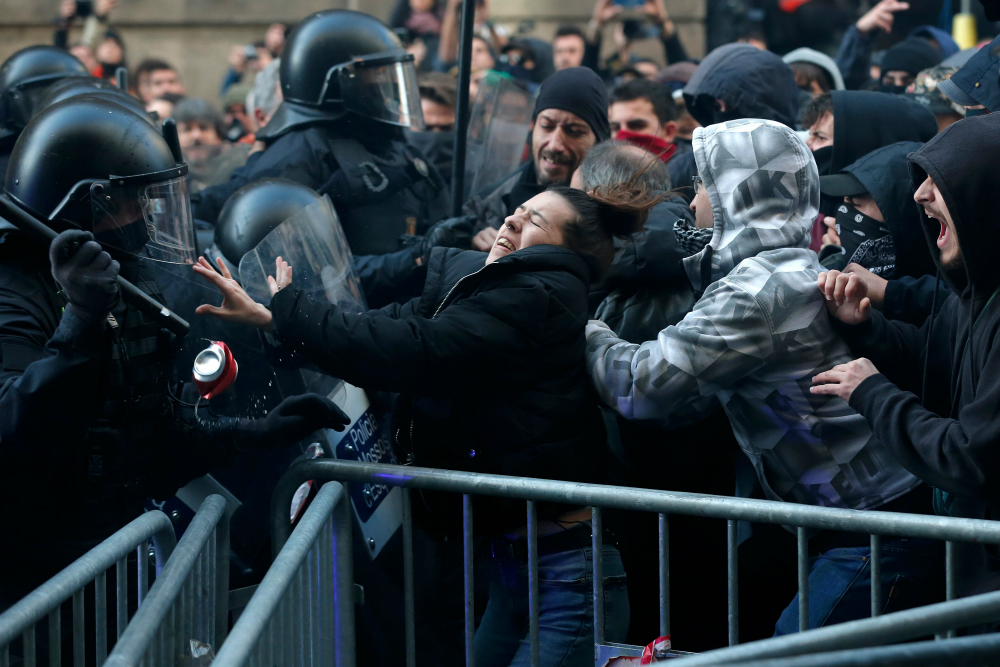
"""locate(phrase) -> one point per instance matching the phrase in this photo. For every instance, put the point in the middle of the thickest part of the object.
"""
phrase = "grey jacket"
(758, 333)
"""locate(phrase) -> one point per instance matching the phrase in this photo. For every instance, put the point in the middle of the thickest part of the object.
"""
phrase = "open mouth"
(506, 244)
(942, 238)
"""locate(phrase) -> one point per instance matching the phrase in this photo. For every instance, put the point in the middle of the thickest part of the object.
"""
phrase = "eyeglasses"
(697, 184)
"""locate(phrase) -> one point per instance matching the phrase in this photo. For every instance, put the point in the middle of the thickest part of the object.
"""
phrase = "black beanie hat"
(912, 55)
(579, 91)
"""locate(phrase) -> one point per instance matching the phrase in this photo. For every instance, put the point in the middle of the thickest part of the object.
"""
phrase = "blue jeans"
(566, 618)
(840, 583)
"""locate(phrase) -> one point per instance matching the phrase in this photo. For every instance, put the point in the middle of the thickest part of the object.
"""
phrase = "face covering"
(976, 112)
(866, 241)
(893, 90)
(651, 143)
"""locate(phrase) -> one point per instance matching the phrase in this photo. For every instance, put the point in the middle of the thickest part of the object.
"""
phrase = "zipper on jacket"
(453, 288)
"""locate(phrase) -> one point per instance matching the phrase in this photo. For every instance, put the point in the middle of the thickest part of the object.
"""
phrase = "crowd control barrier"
(90, 569)
(302, 613)
(185, 615)
(940, 619)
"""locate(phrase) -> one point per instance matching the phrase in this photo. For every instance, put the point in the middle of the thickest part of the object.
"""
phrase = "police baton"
(132, 295)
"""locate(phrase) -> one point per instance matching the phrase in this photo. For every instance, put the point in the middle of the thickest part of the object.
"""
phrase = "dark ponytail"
(607, 213)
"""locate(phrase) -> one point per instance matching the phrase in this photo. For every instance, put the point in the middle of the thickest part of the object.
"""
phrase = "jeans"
(840, 583)
(566, 616)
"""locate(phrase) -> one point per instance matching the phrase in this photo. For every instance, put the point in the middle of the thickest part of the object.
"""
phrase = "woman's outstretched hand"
(282, 276)
(237, 306)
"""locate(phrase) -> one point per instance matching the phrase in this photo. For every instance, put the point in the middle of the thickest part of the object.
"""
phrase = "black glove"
(85, 273)
(295, 418)
(450, 233)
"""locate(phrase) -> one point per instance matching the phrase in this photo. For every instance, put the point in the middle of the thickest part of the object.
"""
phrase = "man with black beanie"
(904, 61)
(571, 115)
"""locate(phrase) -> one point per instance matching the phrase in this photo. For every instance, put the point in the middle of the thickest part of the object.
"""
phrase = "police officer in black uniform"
(92, 421)
(25, 78)
(349, 90)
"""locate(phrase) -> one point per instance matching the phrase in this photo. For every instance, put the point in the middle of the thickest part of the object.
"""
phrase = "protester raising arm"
(957, 452)
(854, 55)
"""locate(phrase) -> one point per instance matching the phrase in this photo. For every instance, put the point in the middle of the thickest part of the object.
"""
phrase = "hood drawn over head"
(753, 84)
(821, 60)
(762, 182)
(865, 120)
(885, 175)
(964, 163)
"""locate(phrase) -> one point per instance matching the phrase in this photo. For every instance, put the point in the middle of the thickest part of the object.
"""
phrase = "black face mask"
(976, 112)
(824, 160)
(894, 90)
(866, 241)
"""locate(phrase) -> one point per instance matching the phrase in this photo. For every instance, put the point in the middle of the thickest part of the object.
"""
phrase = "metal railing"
(941, 618)
(302, 613)
(91, 568)
(189, 601)
(966, 651)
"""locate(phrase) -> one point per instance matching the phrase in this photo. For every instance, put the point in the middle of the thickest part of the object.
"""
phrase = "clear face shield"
(144, 217)
(499, 126)
(313, 243)
(380, 87)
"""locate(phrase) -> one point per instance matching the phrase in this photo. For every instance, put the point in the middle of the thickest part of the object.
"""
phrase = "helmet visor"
(145, 219)
(313, 243)
(384, 90)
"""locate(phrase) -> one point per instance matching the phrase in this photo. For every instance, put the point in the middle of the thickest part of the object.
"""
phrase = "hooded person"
(739, 81)
(937, 37)
(902, 63)
(752, 342)
(570, 116)
(930, 392)
(824, 62)
(878, 225)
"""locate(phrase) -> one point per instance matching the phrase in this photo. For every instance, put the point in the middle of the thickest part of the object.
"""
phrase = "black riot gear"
(341, 61)
(255, 210)
(133, 199)
(26, 76)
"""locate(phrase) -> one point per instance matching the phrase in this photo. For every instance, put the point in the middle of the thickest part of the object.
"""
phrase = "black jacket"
(947, 430)
(489, 360)
(84, 434)
(865, 120)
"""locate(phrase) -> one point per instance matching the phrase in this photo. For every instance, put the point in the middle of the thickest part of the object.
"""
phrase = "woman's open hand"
(237, 306)
(282, 276)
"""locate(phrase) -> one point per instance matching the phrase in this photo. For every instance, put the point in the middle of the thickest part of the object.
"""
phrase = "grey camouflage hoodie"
(758, 333)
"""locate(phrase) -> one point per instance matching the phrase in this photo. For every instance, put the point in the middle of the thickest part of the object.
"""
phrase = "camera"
(250, 52)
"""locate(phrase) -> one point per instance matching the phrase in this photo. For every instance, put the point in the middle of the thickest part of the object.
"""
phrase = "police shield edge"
(499, 124)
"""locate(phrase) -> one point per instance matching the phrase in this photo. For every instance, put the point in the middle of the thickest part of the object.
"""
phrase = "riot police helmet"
(92, 87)
(254, 210)
(26, 76)
(341, 61)
(92, 164)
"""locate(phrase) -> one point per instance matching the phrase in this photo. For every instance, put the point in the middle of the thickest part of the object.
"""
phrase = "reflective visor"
(146, 219)
(384, 89)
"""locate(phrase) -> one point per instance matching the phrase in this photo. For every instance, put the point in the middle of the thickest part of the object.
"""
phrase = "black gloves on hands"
(295, 418)
(86, 274)
(450, 233)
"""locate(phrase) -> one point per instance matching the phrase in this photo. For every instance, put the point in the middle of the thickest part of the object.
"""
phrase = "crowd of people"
(751, 275)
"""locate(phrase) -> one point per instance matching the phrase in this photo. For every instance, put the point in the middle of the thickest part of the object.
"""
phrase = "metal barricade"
(939, 619)
(185, 614)
(966, 651)
(91, 568)
(302, 613)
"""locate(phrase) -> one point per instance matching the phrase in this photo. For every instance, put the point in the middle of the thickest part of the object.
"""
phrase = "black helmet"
(90, 86)
(26, 76)
(256, 209)
(92, 164)
(339, 61)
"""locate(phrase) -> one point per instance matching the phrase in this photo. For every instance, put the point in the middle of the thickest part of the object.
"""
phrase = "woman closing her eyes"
(489, 362)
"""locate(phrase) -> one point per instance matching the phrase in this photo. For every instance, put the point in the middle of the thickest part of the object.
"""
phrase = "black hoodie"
(752, 83)
(885, 175)
(946, 430)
